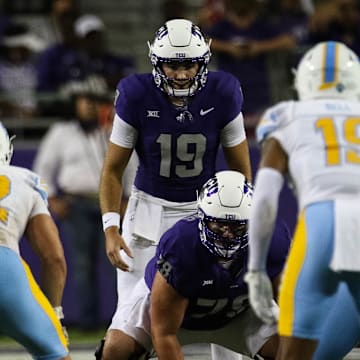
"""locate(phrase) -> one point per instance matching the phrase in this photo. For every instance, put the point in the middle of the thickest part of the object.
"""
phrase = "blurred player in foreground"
(28, 314)
(317, 142)
(193, 290)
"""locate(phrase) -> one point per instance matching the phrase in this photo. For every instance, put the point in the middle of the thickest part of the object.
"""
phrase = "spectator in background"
(174, 9)
(57, 65)
(70, 159)
(210, 13)
(290, 17)
(18, 77)
(87, 58)
(59, 23)
(336, 20)
(56, 25)
(95, 57)
(241, 41)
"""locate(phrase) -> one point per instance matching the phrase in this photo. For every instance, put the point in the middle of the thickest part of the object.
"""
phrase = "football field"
(83, 353)
(83, 346)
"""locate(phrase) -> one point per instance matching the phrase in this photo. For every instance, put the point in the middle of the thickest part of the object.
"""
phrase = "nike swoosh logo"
(204, 112)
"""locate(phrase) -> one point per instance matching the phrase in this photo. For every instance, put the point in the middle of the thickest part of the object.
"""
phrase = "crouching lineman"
(193, 290)
(29, 315)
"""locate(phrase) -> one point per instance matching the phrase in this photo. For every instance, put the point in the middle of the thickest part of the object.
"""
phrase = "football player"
(29, 314)
(175, 118)
(316, 141)
(193, 289)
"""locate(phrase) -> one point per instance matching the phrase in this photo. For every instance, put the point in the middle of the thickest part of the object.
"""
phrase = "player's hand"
(114, 243)
(261, 296)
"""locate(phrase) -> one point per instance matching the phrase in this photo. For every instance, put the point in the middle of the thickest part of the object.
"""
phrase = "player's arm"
(44, 239)
(110, 192)
(238, 158)
(235, 146)
(269, 182)
(167, 312)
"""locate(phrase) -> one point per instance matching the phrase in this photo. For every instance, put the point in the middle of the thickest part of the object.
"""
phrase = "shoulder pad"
(273, 119)
(223, 81)
(38, 184)
(133, 87)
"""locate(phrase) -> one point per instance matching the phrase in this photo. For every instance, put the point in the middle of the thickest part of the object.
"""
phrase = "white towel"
(346, 253)
(148, 217)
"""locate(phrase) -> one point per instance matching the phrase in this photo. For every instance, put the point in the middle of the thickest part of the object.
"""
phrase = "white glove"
(60, 315)
(261, 296)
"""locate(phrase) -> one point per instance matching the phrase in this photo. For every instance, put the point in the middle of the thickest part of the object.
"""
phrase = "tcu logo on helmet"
(163, 31)
(196, 31)
(211, 187)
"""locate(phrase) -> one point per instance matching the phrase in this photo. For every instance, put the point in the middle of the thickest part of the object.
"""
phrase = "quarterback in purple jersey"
(175, 118)
(177, 147)
(193, 289)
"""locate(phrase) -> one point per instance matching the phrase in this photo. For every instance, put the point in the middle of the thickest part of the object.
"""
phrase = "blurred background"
(60, 61)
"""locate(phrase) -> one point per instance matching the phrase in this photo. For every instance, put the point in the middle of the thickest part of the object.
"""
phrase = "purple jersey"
(177, 148)
(60, 64)
(215, 294)
(252, 72)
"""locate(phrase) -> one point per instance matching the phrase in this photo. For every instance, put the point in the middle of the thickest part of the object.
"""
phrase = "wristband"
(111, 219)
(59, 312)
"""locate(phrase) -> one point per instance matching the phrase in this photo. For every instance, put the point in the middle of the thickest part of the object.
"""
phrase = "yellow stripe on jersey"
(330, 65)
(44, 303)
(289, 281)
(5, 188)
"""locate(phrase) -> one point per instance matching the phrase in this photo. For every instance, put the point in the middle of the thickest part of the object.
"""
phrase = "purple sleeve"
(229, 92)
(129, 93)
(178, 248)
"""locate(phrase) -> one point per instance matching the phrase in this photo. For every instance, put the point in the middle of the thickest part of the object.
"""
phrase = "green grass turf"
(77, 337)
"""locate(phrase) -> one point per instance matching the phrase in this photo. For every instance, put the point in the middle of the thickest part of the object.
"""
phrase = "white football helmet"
(226, 198)
(328, 70)
(179, 40)
(6, 147)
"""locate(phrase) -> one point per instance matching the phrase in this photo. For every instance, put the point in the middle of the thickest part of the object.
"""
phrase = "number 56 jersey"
(322, 140)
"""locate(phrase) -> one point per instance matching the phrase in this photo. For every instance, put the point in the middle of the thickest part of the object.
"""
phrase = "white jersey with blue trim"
(322, 140)
(22, 196)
